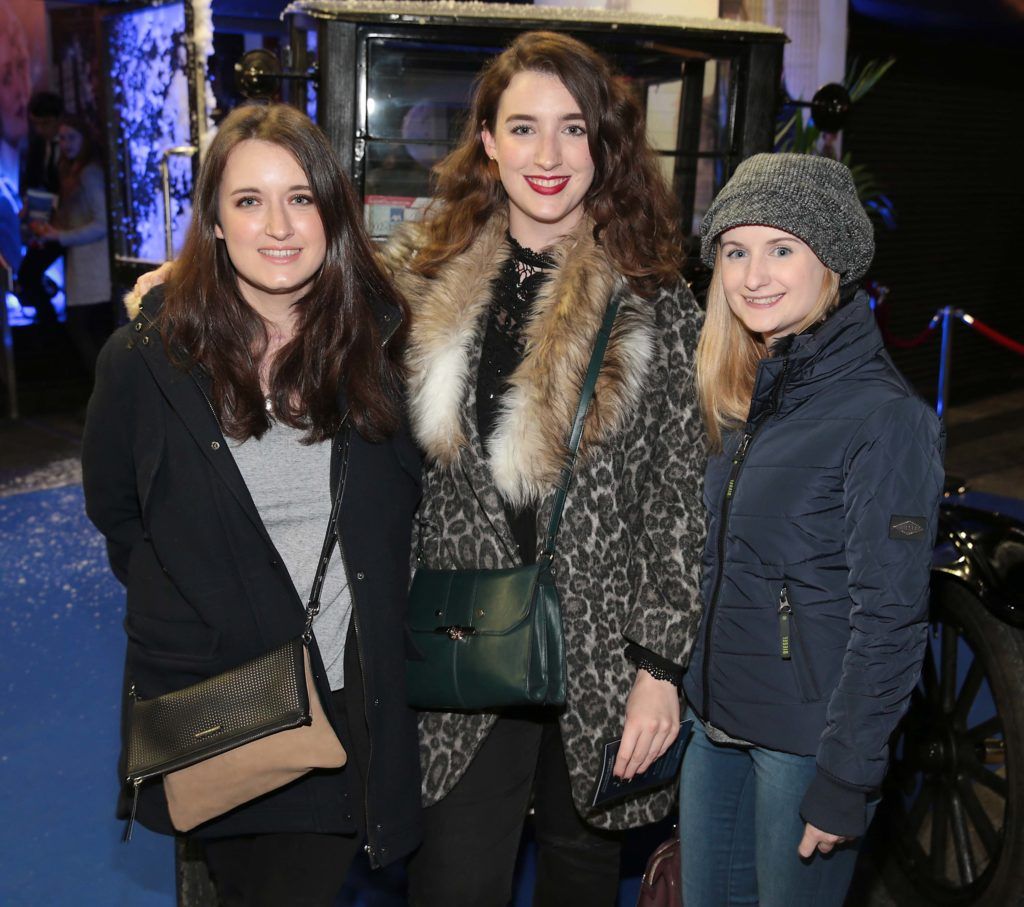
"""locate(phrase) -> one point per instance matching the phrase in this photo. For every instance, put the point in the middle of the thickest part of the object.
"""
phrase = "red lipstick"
(547, 185)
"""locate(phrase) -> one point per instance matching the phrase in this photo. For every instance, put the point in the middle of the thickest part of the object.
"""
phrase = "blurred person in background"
(14, 95)
(40, 189)
(80, 227)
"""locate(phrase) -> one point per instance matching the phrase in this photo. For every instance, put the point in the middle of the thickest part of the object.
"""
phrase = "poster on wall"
(22, 70)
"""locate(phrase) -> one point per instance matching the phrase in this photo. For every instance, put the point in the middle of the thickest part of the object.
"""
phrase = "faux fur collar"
(528, 446)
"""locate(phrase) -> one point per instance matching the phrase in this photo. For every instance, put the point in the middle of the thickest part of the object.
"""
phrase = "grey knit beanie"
(811, 197)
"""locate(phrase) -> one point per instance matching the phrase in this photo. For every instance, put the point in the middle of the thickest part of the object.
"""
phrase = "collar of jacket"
(528, 446)
(188, 394)
(803, 363)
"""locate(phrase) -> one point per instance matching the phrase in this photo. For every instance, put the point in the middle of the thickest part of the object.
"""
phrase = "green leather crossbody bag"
(493, 638)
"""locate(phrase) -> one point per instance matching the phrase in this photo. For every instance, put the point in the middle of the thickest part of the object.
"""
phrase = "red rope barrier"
(908, 343)
(992, 334)
(901, 343)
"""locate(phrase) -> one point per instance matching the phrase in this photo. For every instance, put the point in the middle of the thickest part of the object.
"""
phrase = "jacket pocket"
(181, 641)
(790, 641)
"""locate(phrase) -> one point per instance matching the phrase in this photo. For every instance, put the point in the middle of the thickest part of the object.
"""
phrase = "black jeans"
(472, 836)
(300, 869)
(89, 326)
(30, 280)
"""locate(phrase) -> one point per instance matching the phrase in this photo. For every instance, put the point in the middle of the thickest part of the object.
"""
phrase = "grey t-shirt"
(289, 484)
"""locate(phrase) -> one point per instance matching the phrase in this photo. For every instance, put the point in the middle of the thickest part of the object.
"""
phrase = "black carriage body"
(394, 81)
(983, 552)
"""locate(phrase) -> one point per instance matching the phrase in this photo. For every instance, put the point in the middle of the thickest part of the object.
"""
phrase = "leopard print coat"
(628, 562)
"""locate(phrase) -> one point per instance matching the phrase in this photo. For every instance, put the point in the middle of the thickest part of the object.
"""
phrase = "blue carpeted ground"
(59, 675)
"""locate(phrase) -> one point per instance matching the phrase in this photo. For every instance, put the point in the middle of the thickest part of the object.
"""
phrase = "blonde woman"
(822, 494)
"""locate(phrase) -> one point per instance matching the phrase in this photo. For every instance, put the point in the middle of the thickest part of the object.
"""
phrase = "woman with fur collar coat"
(551, 205)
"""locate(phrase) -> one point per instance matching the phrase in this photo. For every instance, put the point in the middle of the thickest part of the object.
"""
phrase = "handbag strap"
(586, 395)
(330, 537)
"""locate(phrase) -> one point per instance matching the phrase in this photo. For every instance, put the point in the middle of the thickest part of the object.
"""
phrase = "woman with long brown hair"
(263, 377)
(551, 204)
(79, 225)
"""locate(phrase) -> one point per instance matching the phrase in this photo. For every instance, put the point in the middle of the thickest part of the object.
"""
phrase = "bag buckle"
(456, 633)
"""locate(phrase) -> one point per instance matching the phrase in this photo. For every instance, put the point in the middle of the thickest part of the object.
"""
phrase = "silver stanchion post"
(8, 375)
(945, 360)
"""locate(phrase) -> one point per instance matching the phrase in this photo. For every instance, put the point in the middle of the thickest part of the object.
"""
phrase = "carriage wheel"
(953, 810)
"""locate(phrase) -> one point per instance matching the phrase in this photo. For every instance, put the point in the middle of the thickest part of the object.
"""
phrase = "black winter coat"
(821, 520)
(207, 590)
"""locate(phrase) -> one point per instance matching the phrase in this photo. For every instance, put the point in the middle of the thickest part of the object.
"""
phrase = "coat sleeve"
(108, 471)
(668, 539)
(893, 484)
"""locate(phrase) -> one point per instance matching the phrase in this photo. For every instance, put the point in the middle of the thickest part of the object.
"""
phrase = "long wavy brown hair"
(635, 215)
(338, 341)
(69, 171)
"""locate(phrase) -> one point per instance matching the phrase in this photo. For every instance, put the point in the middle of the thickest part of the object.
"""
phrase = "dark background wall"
(944, 133)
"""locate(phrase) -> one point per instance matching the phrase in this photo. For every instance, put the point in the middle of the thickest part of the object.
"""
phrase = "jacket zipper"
(785, 613)
(370, 848)
(213, 412)
(730, 491)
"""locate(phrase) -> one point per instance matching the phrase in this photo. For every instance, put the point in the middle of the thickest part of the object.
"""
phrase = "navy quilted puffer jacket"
(821, 520)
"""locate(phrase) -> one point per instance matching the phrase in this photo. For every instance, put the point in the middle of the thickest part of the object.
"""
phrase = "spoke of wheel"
(979, 818)
(961, 840)
(919, 809)
(940, 821)
(969, 691)
(929, 676)
(950, 638)
(995, 783)
(988, 728)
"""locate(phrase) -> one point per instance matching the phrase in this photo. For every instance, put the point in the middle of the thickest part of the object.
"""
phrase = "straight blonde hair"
(728, 355)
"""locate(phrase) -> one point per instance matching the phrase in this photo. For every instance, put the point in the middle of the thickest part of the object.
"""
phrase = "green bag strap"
(586, 395)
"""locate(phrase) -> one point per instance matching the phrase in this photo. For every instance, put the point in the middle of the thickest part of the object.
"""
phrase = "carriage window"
(688, 125)
(417, 93)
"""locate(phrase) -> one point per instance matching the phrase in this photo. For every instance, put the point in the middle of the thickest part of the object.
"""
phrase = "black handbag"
(238, 735)
(493, 638)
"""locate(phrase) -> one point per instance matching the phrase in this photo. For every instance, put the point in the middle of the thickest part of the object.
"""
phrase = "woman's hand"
(46, 232)
(652, 723)
(146, 283)
(815, 839)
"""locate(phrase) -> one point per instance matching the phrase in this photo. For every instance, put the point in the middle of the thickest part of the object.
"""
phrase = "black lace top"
(513, 294)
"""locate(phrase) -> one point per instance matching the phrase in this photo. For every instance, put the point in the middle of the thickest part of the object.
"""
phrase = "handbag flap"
(488, 601)
(260, 697)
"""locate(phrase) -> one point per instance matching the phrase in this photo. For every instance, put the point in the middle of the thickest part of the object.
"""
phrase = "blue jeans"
(739, 828)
